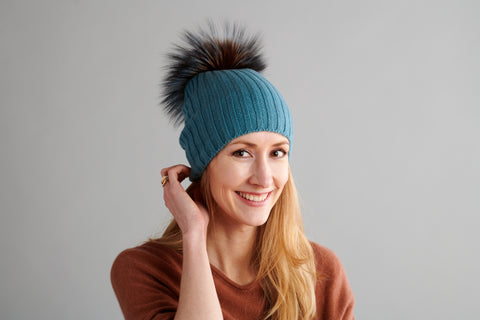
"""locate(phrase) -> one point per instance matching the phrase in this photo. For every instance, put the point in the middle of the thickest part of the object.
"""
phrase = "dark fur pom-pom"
(206, 51)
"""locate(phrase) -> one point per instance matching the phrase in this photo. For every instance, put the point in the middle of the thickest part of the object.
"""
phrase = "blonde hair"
(283, 255)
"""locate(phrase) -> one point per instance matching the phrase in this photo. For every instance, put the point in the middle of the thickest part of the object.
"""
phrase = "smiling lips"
(254, 197)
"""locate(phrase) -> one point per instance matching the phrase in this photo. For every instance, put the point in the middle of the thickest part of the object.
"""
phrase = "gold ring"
(164, 180)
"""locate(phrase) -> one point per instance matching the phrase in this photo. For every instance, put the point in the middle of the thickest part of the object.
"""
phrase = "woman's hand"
(198, 297)
(191, 215)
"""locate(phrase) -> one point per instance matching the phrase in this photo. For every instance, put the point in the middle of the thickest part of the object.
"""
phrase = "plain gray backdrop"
(385, 99)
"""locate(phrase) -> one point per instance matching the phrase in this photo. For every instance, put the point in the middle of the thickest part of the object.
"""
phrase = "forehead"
(260, 138)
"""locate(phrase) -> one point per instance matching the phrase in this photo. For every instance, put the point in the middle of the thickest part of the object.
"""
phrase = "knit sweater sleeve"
(146, 282)
(334, 296)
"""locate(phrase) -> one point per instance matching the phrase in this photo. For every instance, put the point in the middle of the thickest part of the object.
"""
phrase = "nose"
(262, 173)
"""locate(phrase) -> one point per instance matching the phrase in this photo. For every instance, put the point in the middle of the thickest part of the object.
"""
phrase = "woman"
(236, 247)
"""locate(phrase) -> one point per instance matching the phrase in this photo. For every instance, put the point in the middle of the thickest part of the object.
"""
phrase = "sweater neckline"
(219, 274)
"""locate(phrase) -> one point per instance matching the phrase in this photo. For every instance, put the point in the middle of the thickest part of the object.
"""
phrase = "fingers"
(176, 173)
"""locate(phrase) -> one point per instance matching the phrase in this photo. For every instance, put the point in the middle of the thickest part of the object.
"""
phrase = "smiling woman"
(247, 178)
(236, 247)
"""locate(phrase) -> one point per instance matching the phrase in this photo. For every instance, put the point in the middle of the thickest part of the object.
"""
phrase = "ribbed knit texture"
(222, 105)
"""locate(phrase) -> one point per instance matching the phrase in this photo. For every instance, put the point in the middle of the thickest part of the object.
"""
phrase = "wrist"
(194, 239)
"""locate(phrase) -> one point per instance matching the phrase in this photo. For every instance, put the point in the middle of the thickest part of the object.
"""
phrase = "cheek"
(227, 176)
(231, 173)
(281, 174)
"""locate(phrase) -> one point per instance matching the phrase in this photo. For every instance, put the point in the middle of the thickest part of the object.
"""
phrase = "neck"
(231, 251)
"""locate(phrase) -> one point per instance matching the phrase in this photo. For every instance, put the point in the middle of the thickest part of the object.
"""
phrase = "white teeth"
(252, 197)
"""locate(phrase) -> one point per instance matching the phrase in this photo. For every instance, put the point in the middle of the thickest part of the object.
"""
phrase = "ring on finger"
(164, 180)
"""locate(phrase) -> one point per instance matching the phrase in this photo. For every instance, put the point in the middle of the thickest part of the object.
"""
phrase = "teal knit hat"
(214, 88)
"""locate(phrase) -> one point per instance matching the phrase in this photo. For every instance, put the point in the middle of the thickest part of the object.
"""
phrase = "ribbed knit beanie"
(214, 87)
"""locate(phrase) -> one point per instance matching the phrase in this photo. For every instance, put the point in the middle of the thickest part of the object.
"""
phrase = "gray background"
(385, 99)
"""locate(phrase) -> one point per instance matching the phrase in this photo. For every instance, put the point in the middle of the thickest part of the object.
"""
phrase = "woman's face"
(247, 177)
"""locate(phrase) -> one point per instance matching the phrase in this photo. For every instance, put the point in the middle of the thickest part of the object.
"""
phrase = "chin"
(257, 219)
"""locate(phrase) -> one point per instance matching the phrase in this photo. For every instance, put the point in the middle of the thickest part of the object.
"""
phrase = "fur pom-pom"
(207, 51)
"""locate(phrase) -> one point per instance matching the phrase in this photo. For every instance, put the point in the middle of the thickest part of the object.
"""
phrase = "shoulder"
(148, 252)
(149, 256)
(146, 281)
(334, 296)
(326, 261)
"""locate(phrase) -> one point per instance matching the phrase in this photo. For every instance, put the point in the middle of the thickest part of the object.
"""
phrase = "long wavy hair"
(283, 255)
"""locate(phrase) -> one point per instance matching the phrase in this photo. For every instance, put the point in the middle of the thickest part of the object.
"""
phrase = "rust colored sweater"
(146, 280)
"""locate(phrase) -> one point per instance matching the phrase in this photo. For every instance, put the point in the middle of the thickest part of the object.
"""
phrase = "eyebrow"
(285, 142)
